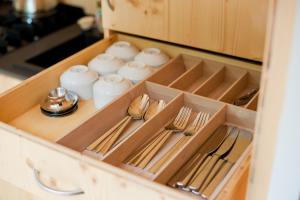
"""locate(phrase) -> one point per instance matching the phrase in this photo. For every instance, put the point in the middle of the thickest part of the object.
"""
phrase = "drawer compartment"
(196, 76)
(247, 84)
(57, 147)
(220, 82)
(174, 69)
(229, 115)
(87, 133)
(151, 131)
(21, 107)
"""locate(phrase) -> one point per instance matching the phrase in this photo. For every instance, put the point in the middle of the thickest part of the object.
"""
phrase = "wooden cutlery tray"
(200, 81)
(139, 132)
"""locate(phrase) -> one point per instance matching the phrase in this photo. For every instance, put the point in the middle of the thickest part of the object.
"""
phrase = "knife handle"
(202, 175)
(134, 156)
(148, 148)
(183, 183)
(168, 155)
(185, 170)
(105, 135)
(212, 174)
(217, 179)
(115, 136)
(150, 154)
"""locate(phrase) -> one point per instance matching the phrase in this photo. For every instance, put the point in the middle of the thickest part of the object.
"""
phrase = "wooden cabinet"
(141, 17)
(22, 146)
(232, 27)
(50, 154)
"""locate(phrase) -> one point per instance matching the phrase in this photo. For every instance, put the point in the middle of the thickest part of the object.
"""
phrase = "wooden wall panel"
(234, 27)
(140, 17)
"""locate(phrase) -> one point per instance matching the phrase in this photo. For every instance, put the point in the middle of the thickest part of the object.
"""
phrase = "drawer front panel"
(61, 172)
(108, 185)
(10, 158)
(50, 174)
(11, 192)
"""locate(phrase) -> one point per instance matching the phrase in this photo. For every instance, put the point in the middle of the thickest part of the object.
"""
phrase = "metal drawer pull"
(110, 5)
(55, 191)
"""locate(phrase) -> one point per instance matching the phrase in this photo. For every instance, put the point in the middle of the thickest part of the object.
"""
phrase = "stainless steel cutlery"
(140, 108)
(210, 164)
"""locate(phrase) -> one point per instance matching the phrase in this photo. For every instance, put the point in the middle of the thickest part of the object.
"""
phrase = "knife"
(212, 143)
(202, 174)
(239, 147)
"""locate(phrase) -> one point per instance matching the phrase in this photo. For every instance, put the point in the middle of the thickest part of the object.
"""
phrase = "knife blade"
(202, 174)
(212, 143)
(243, 141)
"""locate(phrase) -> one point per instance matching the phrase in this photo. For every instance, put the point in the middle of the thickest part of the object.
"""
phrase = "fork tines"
(200, 120)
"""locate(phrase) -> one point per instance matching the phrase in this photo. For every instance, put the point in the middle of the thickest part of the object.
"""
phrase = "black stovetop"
(15, 31)
(29, 46)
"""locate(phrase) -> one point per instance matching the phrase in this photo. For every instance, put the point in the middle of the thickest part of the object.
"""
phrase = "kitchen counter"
(8, 80)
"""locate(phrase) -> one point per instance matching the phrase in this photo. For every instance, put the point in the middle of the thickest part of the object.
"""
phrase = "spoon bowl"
(138, 107)
(154, 108)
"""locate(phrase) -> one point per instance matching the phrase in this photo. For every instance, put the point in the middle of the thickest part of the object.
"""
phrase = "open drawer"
(191, 75)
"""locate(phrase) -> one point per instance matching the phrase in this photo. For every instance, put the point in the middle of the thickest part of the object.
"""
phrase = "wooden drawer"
(56, 147)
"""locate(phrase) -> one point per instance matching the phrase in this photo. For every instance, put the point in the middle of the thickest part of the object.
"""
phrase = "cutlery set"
(139, 109)
(204, 171)
(207, 168)
(142, 157)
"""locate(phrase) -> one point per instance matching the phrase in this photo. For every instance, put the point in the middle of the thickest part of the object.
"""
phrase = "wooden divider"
(32, 91)
(229, 115)
(229, 95)
(164, 175)
(252, 105)
(196, 76)
(241, 87)
(174, 69)
(88, 132)
(220, 82)
(146, 132)
(155, 125)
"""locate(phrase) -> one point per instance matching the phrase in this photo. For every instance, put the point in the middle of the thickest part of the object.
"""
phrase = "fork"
(199, 121)
(144, 156)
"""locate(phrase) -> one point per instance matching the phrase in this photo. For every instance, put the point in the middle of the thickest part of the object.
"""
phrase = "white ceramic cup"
(123, 50)
(109, 87)
(79, 79)
(135, 71)
(153, 57)
(105, 64)
(86, 22)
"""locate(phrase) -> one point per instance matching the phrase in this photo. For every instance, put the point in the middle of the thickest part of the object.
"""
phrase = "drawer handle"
(55, 191)
(110, 5)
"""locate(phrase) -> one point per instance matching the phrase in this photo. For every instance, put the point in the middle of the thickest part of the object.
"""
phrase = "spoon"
(136, 111)
(154, 108)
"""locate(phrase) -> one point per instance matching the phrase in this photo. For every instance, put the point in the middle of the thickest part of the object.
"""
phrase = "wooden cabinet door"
(140, 17)
(235, 27)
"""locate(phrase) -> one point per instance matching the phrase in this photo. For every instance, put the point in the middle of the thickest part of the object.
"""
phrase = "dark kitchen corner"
(29, 45)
